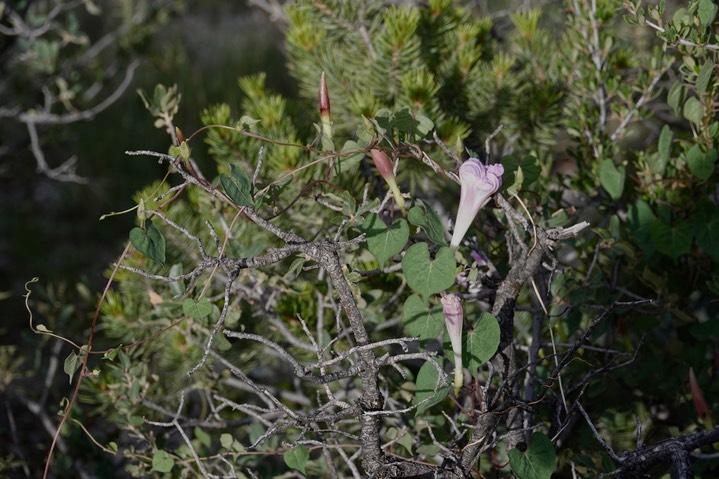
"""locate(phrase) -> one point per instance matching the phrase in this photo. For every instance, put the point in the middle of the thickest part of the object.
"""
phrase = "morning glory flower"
(453, 319)
(479, 183)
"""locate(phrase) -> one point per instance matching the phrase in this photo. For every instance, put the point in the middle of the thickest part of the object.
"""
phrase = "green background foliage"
(608, 116)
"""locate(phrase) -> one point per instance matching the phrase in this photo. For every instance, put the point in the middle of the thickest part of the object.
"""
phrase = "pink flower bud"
(324, 102)
(383, 163)
(384, 166)
(479, 183)
(324, 97)
(454, 319)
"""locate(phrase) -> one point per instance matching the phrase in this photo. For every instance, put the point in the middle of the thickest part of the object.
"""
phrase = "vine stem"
(83, 369)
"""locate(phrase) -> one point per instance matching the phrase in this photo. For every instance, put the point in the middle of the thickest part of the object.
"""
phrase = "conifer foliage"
(302, 309)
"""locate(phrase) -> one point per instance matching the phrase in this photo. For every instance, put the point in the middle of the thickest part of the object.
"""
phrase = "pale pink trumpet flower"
(479, 183)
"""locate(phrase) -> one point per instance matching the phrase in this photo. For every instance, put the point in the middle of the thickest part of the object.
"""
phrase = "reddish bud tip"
(180, 136)
(324, 97)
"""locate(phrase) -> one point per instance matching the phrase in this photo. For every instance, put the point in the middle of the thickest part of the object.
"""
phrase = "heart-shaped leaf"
(530, 170)
(481, 343)
(149, 241)
(197, 310)
(421, 321)
(385, 242)
(537, 461)
(427, 276)
(428, 219)
(671, 241)
(162, 461)
(297, 457)
(238, 186)
(701, 164)
(427, 386)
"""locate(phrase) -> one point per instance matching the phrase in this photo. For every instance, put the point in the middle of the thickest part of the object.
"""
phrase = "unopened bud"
(324, 101)
(180, 136)
(383, 163)
(384, 166)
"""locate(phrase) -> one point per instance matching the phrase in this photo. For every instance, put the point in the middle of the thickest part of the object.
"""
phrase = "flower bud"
(385, 168)
(324, 101)
(454, 319)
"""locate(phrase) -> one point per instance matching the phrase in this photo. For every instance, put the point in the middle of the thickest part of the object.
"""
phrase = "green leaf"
(423, 126)
(348, 161)
(426, 276)
(481, 343)
(238, 187)
(612, 178)
(706, 228)
(537, 462)
(639, 222)
(197, 310)
(676, 96)
(664, 147)
(671, 241)
(297, 457)
(202, 436)
(530, 170)
(700, 164)
(162, 461)
(693, 111)
(247, 122)
(72, 363)
(226, 440)
(403, 120)
(707, 11)
(385, 242)
(428, 219)
(112, 354)
(405, 440)
(427, 379)
(421, 321)
(704, 77)
(149, 241)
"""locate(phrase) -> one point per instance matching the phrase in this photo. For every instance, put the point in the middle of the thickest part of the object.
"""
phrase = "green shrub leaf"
(612, 178)
(421, 321)
(197, 310)
(664, 148)
(671, 241)
(427, 387)
(537, 462)
(385, 242)
(238, 186)
(297, 457)
(428, 219)
(704, 77)
(481, 343)
(693, 111)
(426, 276)
(162, 461)
(701, 164)
(149, 241)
